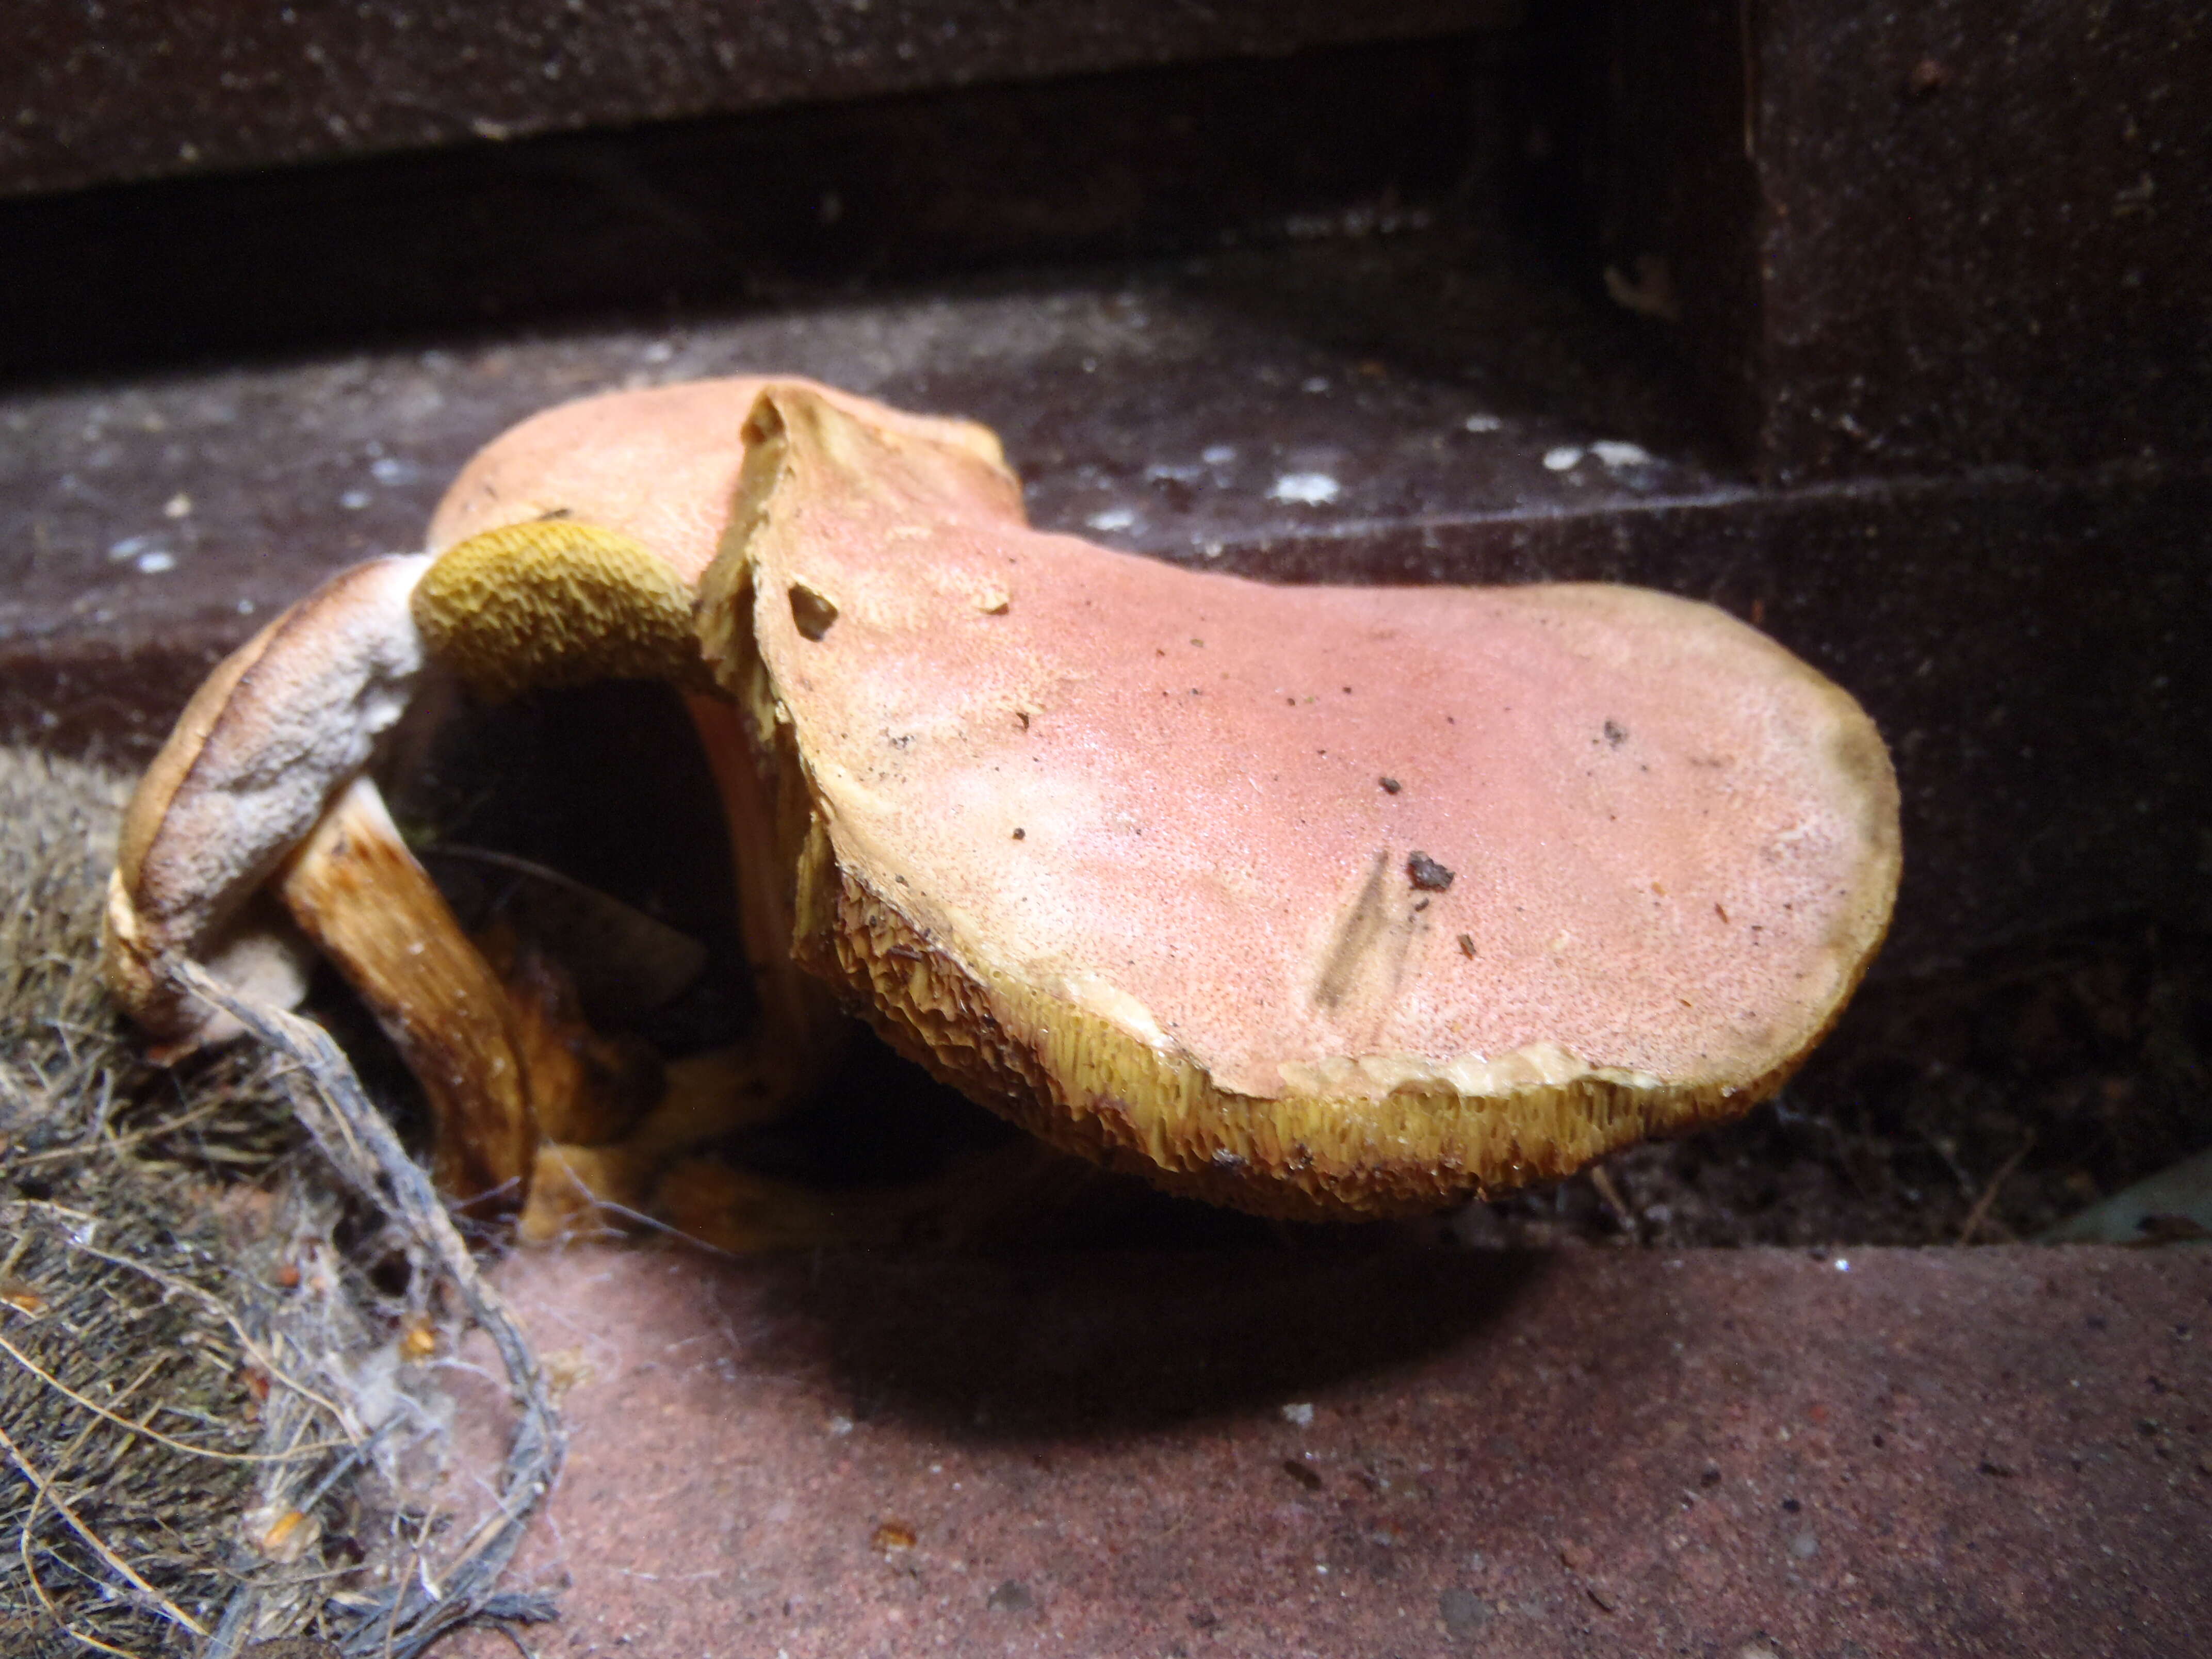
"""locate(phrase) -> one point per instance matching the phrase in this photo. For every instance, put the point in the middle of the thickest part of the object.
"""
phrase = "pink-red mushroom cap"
(1313, 900)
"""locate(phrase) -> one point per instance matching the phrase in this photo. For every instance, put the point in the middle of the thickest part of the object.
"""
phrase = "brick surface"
(2001, 1451)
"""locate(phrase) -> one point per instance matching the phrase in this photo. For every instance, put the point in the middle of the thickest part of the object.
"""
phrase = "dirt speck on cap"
(1426, 873)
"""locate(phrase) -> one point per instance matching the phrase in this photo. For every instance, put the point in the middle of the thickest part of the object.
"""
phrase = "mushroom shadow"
(1088, 1344)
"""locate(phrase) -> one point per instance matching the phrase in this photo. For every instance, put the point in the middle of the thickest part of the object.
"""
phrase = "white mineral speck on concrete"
(1562, 459)
(1306, 489)
(1482, 424)
(1615, 454)
(1114, 518)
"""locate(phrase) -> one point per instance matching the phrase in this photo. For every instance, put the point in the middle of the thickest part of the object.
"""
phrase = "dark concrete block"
(100, 95)
(1984, 225)
(1910, 240)
(810, 200)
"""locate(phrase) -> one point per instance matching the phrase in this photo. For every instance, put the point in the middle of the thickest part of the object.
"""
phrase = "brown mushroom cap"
(1311, 900)
(280, 726)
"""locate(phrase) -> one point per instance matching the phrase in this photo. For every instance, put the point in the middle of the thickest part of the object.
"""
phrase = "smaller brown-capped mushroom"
(257, 837)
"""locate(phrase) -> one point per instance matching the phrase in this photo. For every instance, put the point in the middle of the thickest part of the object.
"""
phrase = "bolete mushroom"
(1311, 901)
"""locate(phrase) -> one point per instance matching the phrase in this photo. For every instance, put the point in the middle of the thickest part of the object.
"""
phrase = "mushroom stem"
(357, 892)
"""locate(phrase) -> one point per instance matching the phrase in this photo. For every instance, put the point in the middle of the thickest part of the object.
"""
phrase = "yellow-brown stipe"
(358, 894)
